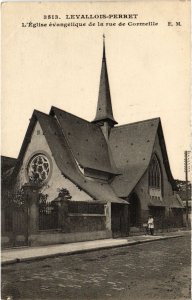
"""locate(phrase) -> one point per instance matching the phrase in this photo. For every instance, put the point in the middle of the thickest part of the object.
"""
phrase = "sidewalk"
(11, 256)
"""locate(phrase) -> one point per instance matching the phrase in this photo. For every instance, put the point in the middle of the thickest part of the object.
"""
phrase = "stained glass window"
(154, 173)
(38, 168)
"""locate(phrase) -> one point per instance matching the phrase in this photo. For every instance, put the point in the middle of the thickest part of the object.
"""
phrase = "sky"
(148, 67)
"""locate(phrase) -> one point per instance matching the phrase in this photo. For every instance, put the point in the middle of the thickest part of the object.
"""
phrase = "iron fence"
(48, 216)
(80, 207)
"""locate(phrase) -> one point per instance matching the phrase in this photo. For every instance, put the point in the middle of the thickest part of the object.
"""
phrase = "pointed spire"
(104, 58)
(104, 106)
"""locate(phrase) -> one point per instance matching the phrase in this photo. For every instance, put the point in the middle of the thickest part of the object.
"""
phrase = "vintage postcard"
(96, 150)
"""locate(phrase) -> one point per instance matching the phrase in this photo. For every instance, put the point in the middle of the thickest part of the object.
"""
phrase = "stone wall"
(49, 238)
(92, 224)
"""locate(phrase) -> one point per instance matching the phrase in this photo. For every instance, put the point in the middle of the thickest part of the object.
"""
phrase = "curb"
(81, 251)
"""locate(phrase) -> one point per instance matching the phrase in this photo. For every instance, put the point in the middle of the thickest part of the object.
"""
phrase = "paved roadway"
(156, 270)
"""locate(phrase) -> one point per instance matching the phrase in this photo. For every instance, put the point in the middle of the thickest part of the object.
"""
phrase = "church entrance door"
(134, 211)
(119, 220)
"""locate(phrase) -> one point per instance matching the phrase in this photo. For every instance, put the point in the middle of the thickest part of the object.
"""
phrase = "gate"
(48, 213)
(15, 215)
(119, 220)
(134, 211)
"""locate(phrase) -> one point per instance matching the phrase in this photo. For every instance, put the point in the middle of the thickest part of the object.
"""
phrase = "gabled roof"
(73, 140)
(64, 158)
(86, 141)
(132, 147)
(165, 156)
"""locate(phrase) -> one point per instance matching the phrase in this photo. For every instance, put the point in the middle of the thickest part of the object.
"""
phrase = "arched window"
(154, 173)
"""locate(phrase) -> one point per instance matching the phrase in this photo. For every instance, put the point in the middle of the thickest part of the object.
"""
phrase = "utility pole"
(187, 169)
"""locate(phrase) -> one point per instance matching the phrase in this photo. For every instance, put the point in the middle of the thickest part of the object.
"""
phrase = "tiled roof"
(127, 154)
(155, 201)
(86, 142)
(132, 147)
(66, 163)
(175, 201)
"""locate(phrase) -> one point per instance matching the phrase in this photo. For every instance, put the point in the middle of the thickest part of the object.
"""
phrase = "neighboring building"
(189, 212)
(183, 196)
(115, 176)
(7, 167)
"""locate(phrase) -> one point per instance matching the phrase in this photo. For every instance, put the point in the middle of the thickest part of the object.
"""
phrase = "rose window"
(39, 168)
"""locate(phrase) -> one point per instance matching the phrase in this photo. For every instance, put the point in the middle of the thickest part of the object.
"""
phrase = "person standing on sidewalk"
(151, 225)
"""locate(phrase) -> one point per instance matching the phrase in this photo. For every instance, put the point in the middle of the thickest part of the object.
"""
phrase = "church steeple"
(104, 112)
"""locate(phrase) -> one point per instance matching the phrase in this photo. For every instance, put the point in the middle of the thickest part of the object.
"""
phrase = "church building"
(94, 179)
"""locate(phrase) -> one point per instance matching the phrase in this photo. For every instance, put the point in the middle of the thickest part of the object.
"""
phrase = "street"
(155, 270)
